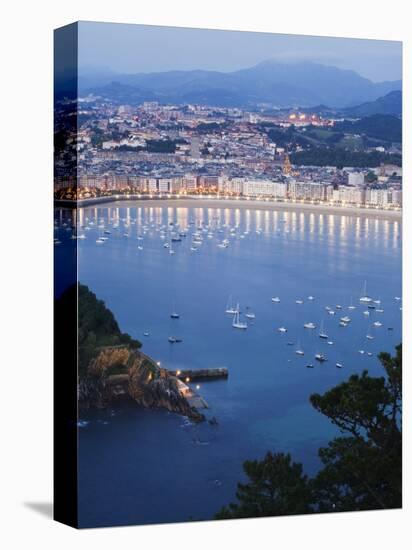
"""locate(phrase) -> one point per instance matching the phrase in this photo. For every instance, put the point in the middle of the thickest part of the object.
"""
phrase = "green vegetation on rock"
(97, 328)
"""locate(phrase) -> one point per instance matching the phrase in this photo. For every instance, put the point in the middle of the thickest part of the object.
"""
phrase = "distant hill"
(384, 127)
(272, 83)
(389, 104)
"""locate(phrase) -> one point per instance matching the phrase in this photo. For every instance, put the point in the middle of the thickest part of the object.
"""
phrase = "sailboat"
(322, 333)
(351, 306)
(379, 309)
(249, 314)
(229, 307)
(237, 323)
(299, 350)
(369, 335)
(364, 298)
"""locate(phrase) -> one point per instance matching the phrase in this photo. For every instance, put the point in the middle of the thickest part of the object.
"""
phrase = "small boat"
(322, 333)
(309, 366)
(140, 248)
(174, 340)
(345, 319)
(377, 324)
(249, 314)
(366, 312)
(369, 336)
(299, 302)
(338, 306)
(174, 315)
(290, 343)
(371, 306)
(146, 334)
(229, 307)
(237, 323)
(166, 245)
(339, 365)
(380, 310)
(361, 351)
(311, 298)
(397, 298)
(331, 312)
(364, 298)
(351, 306)
(282, 329)
(276, 299)
(100, 241)
(299, 350)
(343, 324)
(309, 325)
(330, 343)
(390, 328)
(320, 357)
(369, 354)
(106, 232)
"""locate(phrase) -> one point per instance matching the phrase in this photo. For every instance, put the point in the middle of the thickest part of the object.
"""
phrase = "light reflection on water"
(264, 403)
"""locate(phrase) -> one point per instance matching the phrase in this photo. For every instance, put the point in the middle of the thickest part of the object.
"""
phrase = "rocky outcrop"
(119, 371)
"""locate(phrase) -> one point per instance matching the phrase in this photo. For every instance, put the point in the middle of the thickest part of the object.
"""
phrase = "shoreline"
(242, 203)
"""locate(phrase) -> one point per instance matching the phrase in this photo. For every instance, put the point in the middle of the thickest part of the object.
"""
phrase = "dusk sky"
(127, 48)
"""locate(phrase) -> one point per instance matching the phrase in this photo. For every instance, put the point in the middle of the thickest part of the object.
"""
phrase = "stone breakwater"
(120, 371)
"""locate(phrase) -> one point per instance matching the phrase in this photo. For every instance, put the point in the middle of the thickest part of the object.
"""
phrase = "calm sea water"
(150, 466)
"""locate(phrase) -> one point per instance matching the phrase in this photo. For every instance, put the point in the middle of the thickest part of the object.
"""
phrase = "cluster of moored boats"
(344, 320)
(170, 233)
(173, 233)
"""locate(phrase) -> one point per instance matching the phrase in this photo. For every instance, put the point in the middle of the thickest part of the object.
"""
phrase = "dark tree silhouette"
(362, 471)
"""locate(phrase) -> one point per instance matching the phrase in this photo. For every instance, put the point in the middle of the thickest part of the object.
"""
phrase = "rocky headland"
(112, 366)
(120, 371)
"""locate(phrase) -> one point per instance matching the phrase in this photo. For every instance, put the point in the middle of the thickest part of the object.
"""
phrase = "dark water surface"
(149, 466)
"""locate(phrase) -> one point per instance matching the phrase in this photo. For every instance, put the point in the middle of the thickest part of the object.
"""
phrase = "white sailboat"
(351, 306)
(249, 314)
(229, 307)
(364, 298)
(299, 350)
(237, 323)
(322, 333)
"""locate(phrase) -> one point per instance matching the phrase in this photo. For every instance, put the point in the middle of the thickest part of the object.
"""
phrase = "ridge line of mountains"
(268, 84)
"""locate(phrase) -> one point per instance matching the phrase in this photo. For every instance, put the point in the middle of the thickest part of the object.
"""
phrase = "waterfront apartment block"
(376, 195)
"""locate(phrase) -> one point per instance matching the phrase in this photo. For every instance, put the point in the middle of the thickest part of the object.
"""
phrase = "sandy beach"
(190, 202)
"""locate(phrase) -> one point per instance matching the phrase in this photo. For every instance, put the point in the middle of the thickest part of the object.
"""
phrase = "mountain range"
(271, 83)
(389, 104)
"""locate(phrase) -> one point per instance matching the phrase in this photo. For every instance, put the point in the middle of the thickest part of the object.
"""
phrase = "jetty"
(188, 375)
